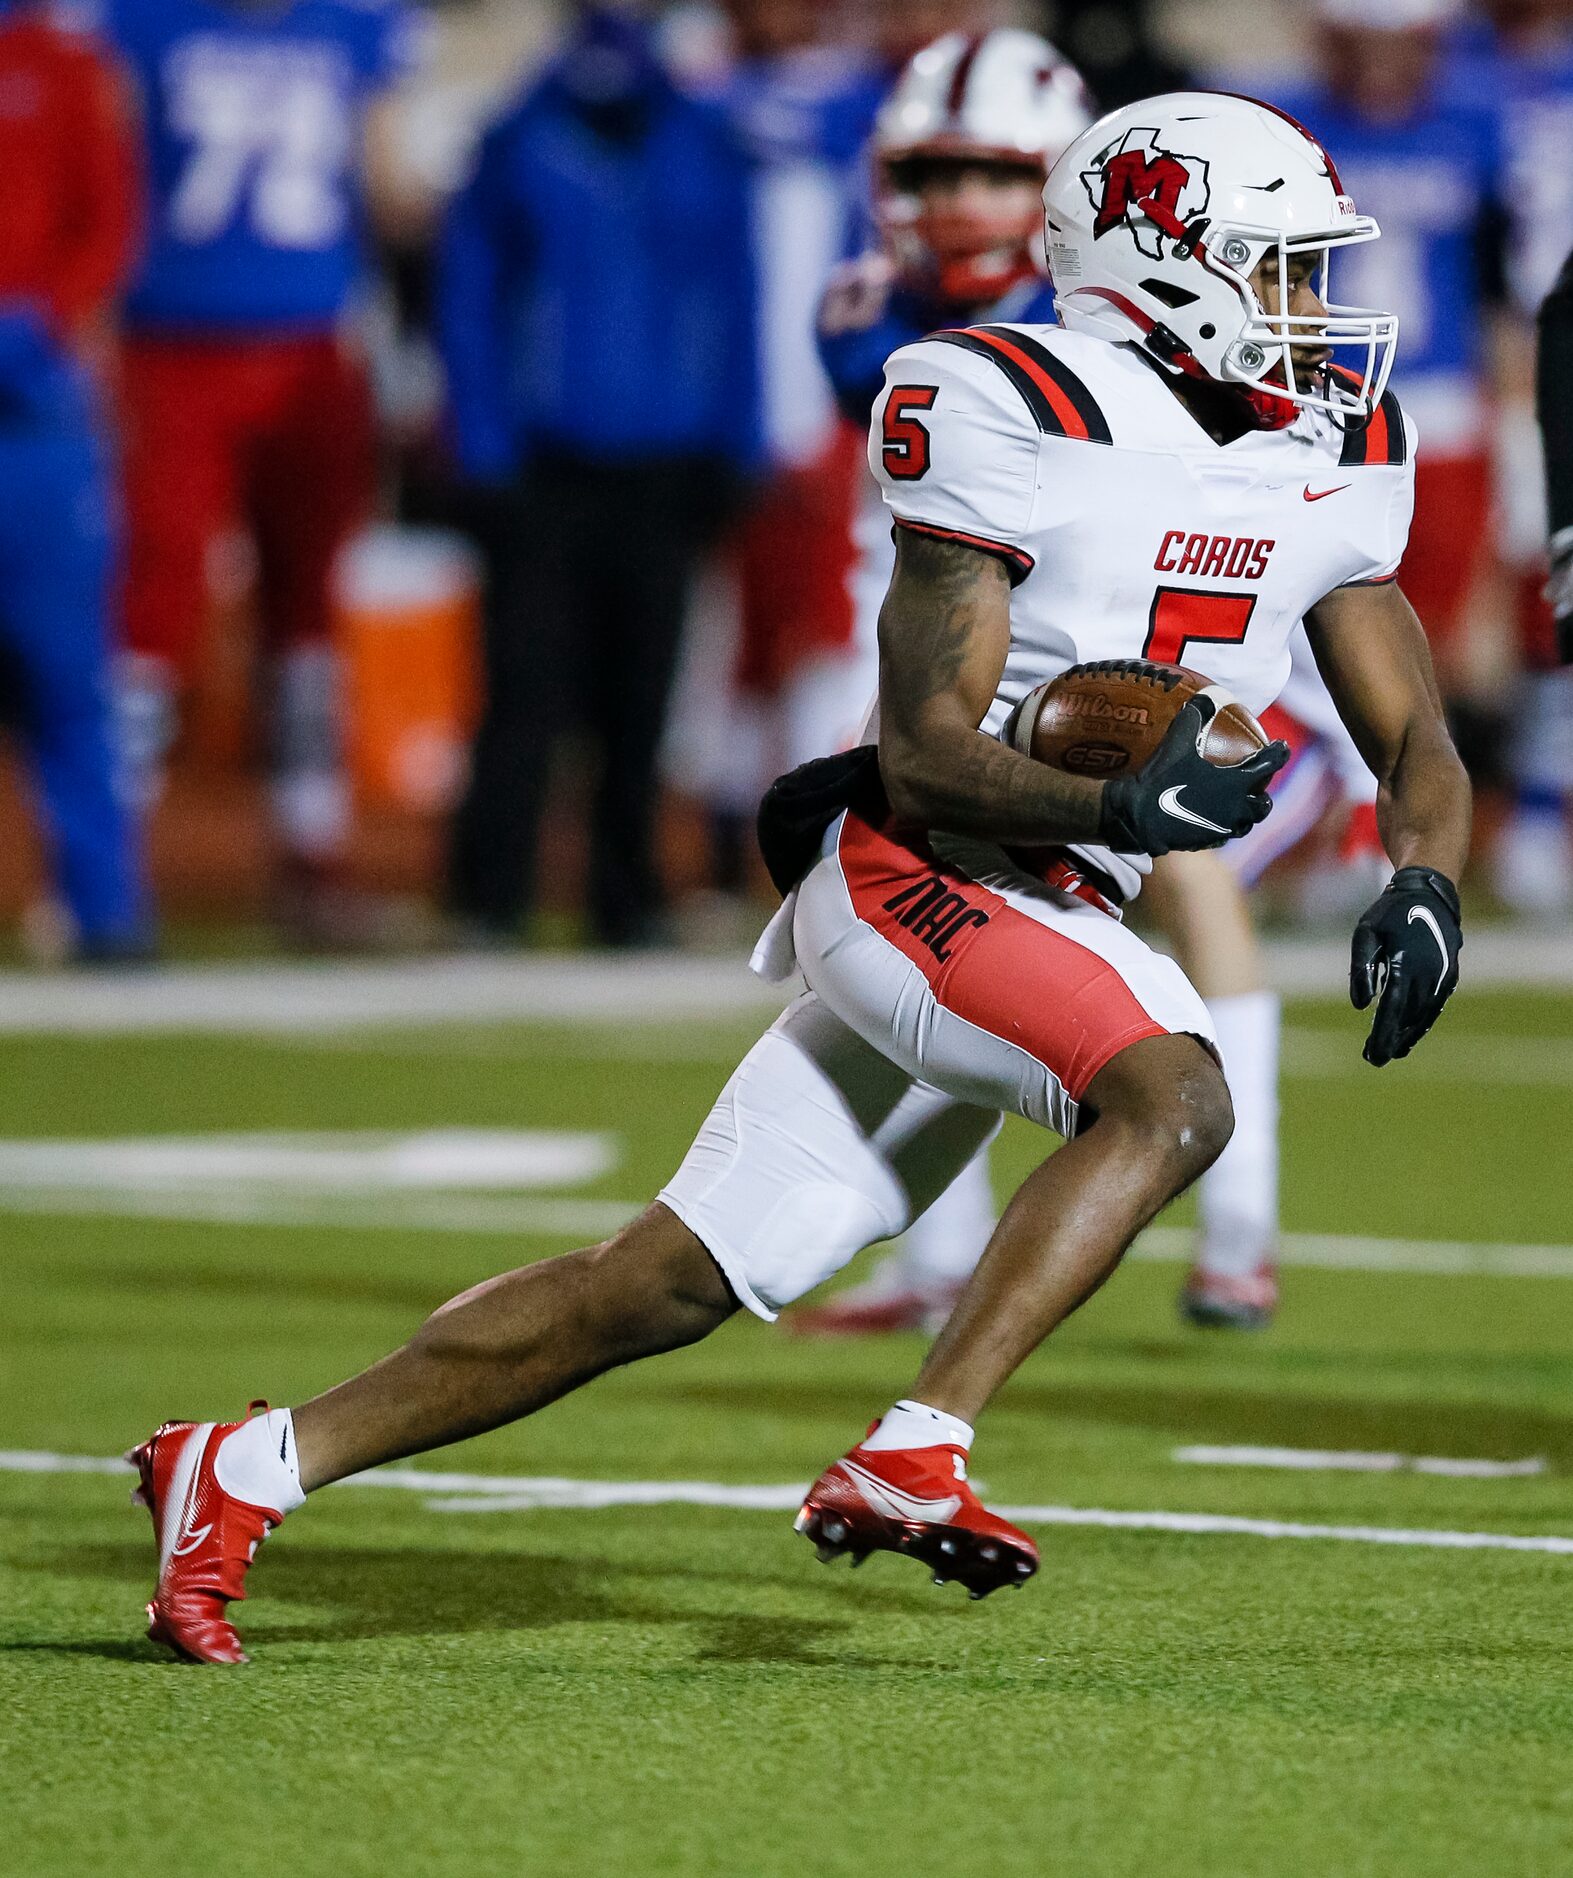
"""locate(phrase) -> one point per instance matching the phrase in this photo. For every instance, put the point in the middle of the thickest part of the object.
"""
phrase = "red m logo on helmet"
(1136, 173)
(1133, 178)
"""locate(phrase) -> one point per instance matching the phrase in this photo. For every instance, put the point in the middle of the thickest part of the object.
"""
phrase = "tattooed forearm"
(943, 635)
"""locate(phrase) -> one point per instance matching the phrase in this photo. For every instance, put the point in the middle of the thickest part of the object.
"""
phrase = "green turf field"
(682, 1689)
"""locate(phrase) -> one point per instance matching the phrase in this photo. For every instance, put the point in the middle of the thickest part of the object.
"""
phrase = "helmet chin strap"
(1271, 411)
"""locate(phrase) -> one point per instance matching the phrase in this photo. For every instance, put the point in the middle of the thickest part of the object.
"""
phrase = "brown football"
(1106, 718)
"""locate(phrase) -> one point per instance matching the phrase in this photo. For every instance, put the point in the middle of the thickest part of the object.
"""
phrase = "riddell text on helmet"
(1235, 557)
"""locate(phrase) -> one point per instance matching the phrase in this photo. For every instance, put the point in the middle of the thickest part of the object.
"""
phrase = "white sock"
(914, 1425)
(312, 812)
(144, 720)
(942, 1246)
(258, 1462)
(1238, 1195)
(310, 792)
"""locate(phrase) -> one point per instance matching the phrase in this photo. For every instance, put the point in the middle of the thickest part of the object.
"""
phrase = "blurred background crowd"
(425, 515)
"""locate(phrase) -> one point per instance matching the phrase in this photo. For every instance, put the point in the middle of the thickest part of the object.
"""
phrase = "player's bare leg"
(1161, 1116)
(491, 1355)
(509, 1346)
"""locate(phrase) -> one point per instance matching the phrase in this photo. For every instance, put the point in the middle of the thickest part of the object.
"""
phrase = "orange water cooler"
(409, 627)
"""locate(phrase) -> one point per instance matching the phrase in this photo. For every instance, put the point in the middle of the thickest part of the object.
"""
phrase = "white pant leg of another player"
(1302, 792)
(1238, 1195)
(817, 1147)
(1532, 861)
(309, 792)
(940, 1249)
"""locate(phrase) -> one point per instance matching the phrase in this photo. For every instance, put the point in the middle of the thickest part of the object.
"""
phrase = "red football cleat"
(1217, 1302)
(206, 1540)
(917, 1501)
(874, 1310)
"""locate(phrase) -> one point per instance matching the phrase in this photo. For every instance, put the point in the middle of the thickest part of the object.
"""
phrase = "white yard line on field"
(567, 1217)
(491, 1214)
(308, 1000)
(1351, 1252)
(494, 1493)
(1332, 1461)
(356, 1162)
(1515, 1062)
(1308, 1055)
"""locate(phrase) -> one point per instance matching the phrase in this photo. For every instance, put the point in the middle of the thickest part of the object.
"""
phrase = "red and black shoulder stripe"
(1018, 563)
(1060, 403)
(1381, 438)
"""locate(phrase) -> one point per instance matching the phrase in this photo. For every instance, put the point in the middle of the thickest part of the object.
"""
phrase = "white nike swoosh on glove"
(1425, 913)
(1170, 803)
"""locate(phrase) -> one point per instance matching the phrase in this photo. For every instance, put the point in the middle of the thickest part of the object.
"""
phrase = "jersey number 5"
(906, 452)
(1182, 616)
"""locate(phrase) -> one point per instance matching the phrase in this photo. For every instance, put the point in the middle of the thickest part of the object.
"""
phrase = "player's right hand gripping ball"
(1182, 798)
(1185, 765)
(1406, 951)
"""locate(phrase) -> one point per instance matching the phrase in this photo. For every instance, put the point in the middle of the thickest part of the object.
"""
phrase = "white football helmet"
(1157, 217)
(1003, 98)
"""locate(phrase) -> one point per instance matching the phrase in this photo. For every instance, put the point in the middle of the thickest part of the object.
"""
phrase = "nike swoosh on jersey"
(1318, 495)
(1425, 913)
(1171, 804)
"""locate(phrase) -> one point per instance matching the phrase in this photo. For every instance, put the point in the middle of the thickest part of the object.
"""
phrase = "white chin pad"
(1221, 700)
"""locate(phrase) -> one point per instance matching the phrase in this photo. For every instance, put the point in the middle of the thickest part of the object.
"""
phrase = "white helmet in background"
(1160, 213)
(1005, 99)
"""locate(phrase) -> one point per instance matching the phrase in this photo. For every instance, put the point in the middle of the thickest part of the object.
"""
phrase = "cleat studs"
(857, 1559)
(834, 1531)
(827, 1554)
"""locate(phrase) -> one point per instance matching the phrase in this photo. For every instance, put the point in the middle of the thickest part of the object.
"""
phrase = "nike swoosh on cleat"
(895, 1504)
(1171, 804)
(1318, 495)
(180, 1498)
(1425, 913)
(191, 1541)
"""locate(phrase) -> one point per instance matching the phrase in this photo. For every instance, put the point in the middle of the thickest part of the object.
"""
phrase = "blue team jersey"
(254, 127)
(1530, 90)
(1427, 179)
(803, 121)
(854, 353)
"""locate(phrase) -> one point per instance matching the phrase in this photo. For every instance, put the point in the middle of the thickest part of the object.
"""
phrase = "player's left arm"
(400, 204)
(402, 209)
(1373, 654)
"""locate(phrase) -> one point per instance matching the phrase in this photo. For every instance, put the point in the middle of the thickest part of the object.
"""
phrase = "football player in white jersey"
(1181, 474)
(953, 157)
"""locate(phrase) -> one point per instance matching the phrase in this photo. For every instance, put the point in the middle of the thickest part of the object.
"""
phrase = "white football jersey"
(1128, 532)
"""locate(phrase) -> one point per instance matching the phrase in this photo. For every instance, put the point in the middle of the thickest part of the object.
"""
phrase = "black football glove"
(1559, 591)
(1406, 952)
(1180, 800)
